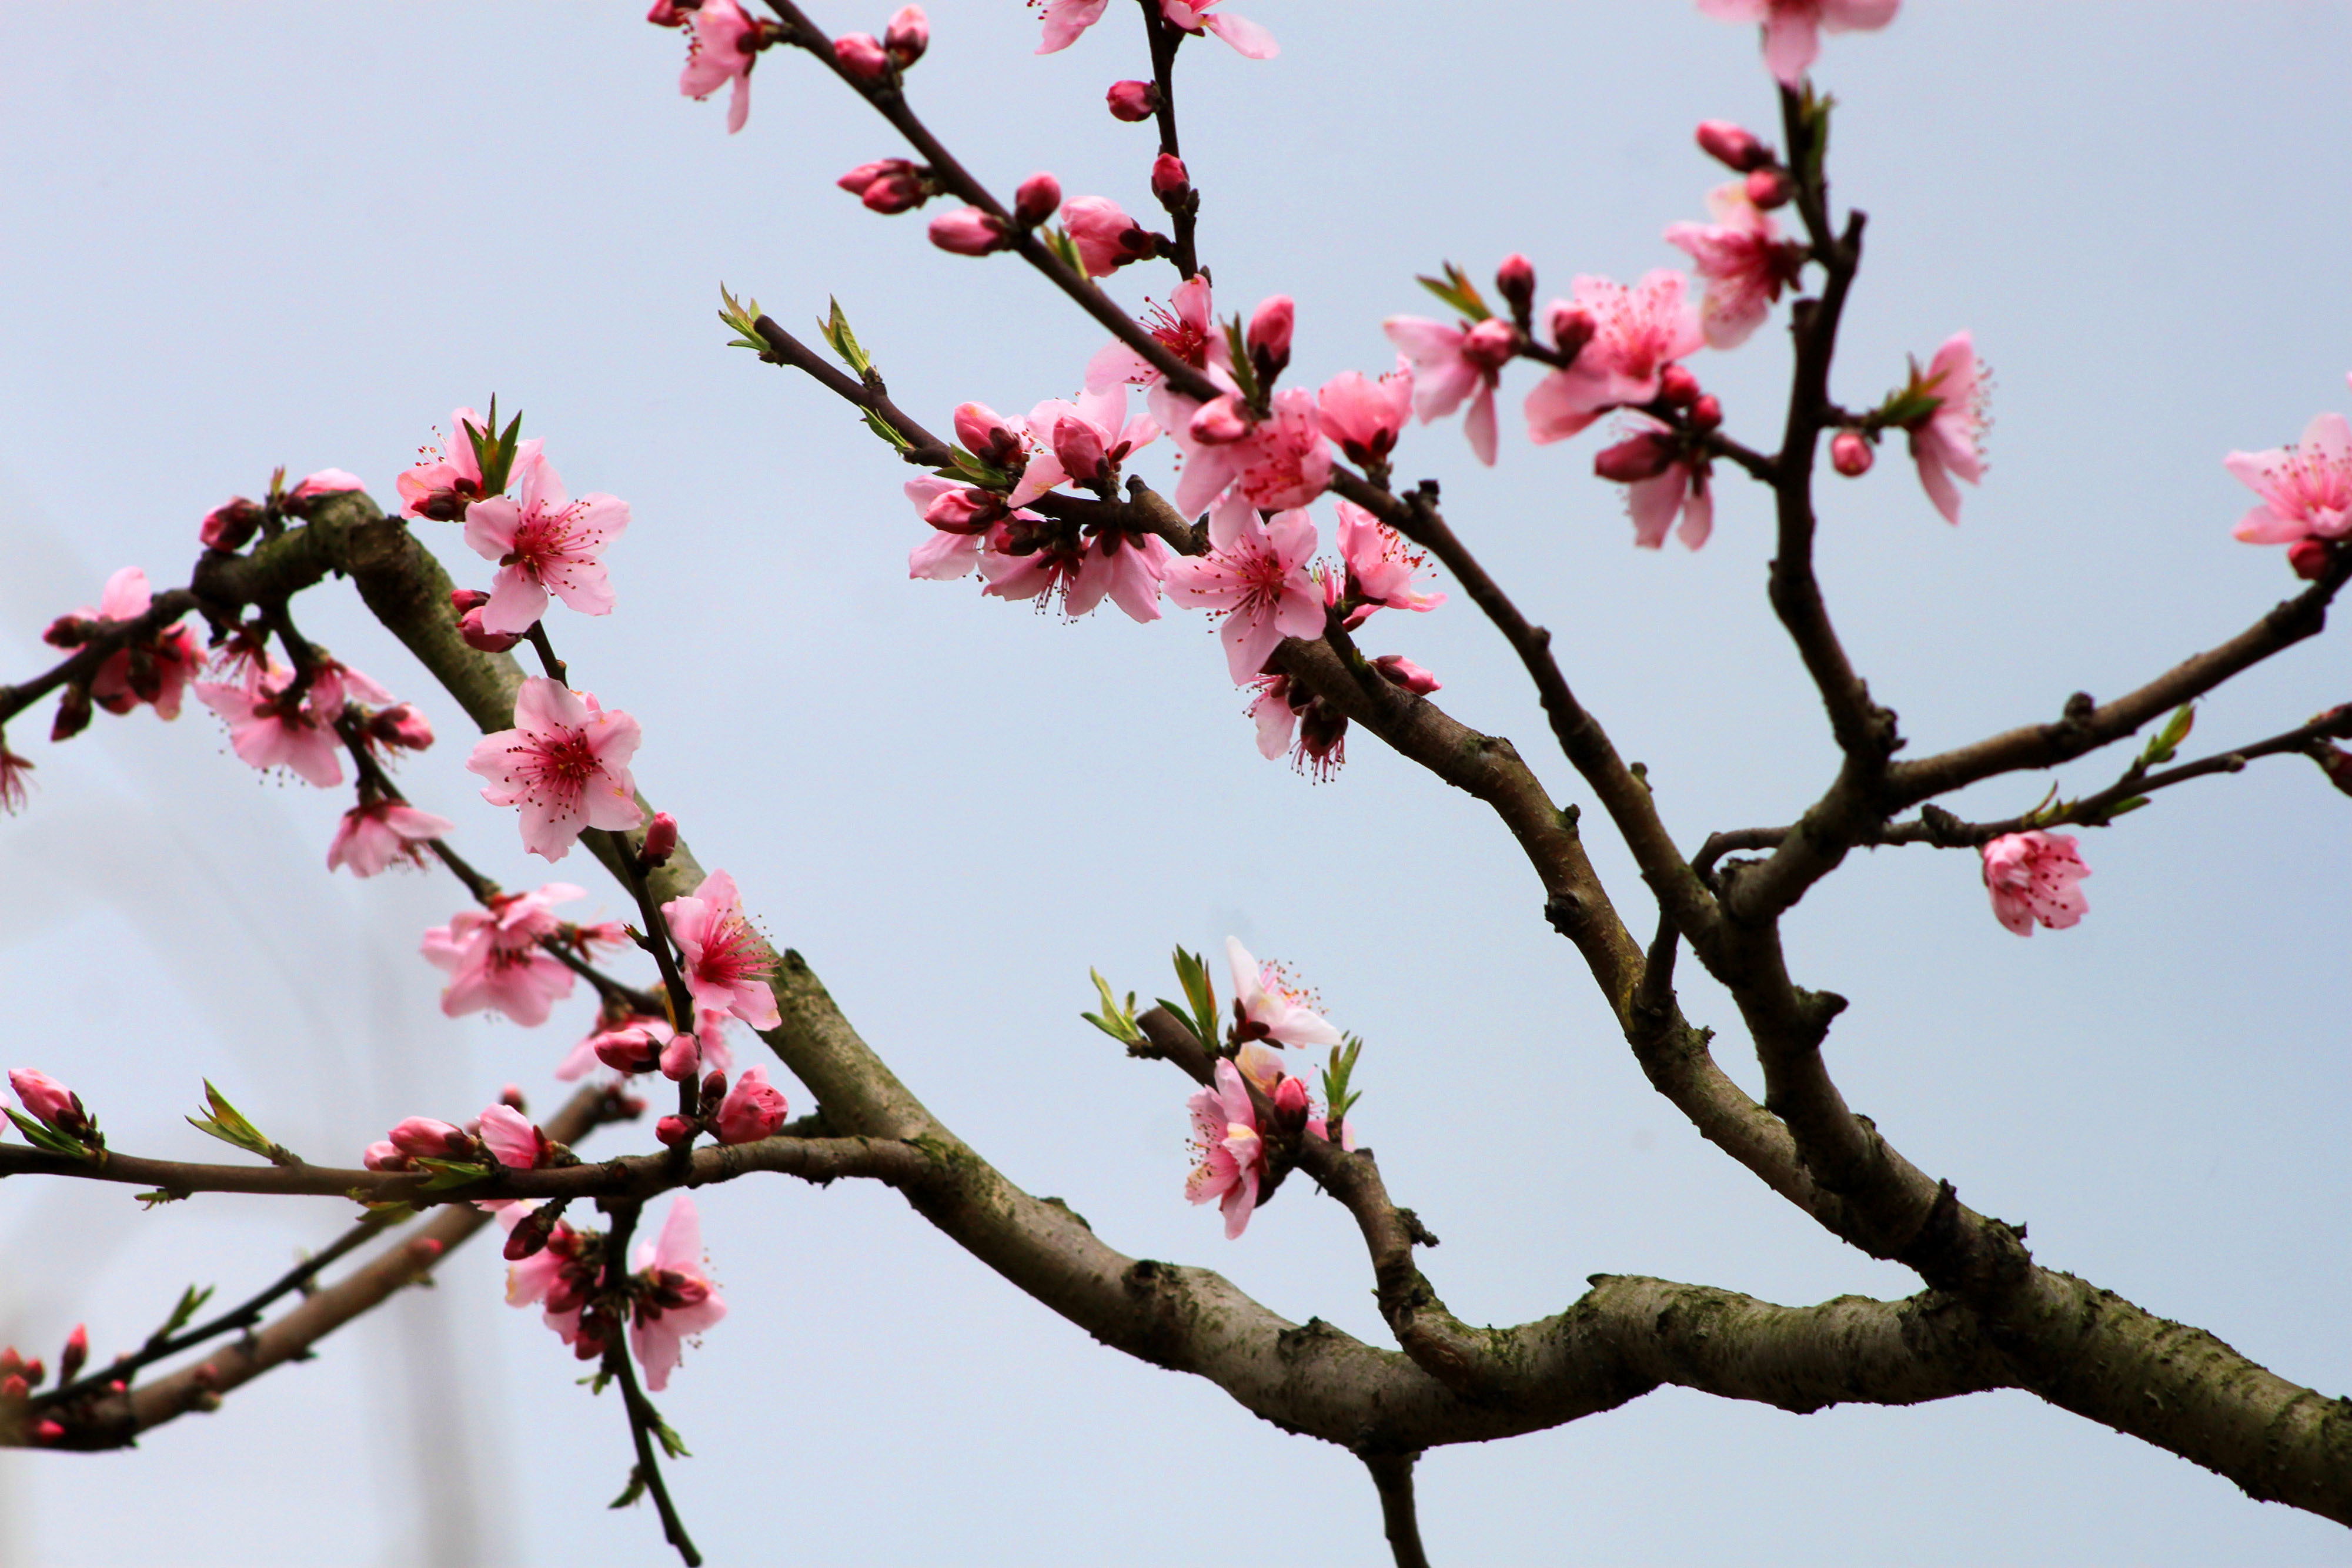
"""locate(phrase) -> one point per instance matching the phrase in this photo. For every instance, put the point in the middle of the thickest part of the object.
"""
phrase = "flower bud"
(423, 1137)
(1769, 188)
(464, 599)
(907, 37)
(753, 1110)
(475, 636)
(66, 632)
(11, 1363)
(966, 511)
(680, 1057)
(1035, 202)
(1399, 671)
(384, 1157)
(1269, 337)
(47, 1431)
(1733, 146)
(229, 524)
(674, 1131)
(895, 193)
(1514, 280)
(861, 54)
(76, 1351)
(1491, 343)
(1707, 413)
(1573, 327)
(1219, 420)
(528, 1236)
(857, 181)
(661, 840)
(14, 1387)
(629, 1050)
(1290, 1105)
(1850, 454)
(1171, 181)
(968, 232)
(714, 1087)
(34, 1372)
(2333, 761)
(400, 726)
(73, 714)
(1133, 101)
(511, 1097)
(2310, 559)
(47, 1101)
(1634, 459)
(1678, 386)
(986, 435)
(1078, 447)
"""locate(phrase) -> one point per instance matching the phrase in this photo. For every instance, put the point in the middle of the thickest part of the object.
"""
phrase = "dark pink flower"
(560, 1274)
(722, 45)
(1949, 442)
(674, 1299)
(753, 1110)
(1035, 200)
(1451, 363)
(1661, 484)
(1106, 239)
(630, 1045)
(1850, 454)
(1229, 1157)
(889, 185)
(1185, 326)
(2033, 876)
(1637, 333)
(1744, 261)
(1733, 145)
(155, 669)
(1080, 443)
(1255, 574)
(228, 526)
(446, 479)
(1792, 29)
(2306, 488)
(544, 543)
(495, 957)
(726, 964)
(1366, 417)
(1399, 671)
(565, 763)
(375, 833)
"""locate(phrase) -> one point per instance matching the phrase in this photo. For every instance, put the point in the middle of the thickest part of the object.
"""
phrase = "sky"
(300, 235)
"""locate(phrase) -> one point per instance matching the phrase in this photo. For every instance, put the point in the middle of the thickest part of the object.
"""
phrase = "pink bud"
(865, 174)
(382, 1157)
(76, 1351)
(1573, 327)
(511, 1097)
(1078, 447)
(1133, 101)
(1707, 413)
(2333, 761)
(14, 1387)
(2310, 559)
(34, 1373)
(1269, 335)
(964, 511)
(897, 192)
(1634, 459)
(753, 1110)
(1399, 671)
(11, 1363)
(464, 599)
(400, 726)
(674, 1131)
(1733, 146)
(986, 435)
(230, 523)
(471, 632)
(661, 840)
(1850, 454)
(862, 56)
(1290, 1097)
(1491, 343)
(46, 1431)
(680, 1057)
(1514, 280)
(47, 1101)
(66, 632)
(1219, 420)
(1678, 386)
(629, 1050)
(1035, 202)
(1169, 180)
(668, 13)
(423, 1137)
(1769, 188)
(528, 1237)
(907, 35)
(968, 232)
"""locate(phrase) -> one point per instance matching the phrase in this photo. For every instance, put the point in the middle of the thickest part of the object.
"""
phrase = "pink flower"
(511, 1138)
(674, 1298)
(495, 957)
(1315, 1125)
(1065, 19)
(48, 1102)
(558, 1274)
(1399, 671)
(325, 482)
(726, 963)
(446, 479)
(907, 35)
(861, 54)
(1248, 40)
(1380, 566)
(1792, 29)
(1082, 443)
(155, 669)
(2033, 877)
(1229, 1157)
(1661, 483)
(2306, 488)
(954, 550)
(1255, 574)
(1125, 568)
(722, 45)
(1278, 463)
(1451, 363)
(753, 1110)
(545, 542)
(375, 833)
(268, 731)
(1950, 441)
(1271, 711)
(1185, 326)
(1269, 1007)
(1744, 261)
(1106, 239)
(1637, 332)
(565, 763)
(1365, 416)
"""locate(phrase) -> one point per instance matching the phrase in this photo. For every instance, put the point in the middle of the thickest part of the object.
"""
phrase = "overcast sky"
(238, 238)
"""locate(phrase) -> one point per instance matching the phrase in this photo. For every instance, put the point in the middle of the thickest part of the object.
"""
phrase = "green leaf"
(2164, 745)
(2120, 807)
(47, 1139)
(1059, 242)
(1335, 1082)
(157, 1197)
(191, 1301)
(881, 427)
(743, 315)
(228, 1125)
(1202, 993)
(1114, 1021)
(835, 328)
(975, 471)
(672, 1444)
(633, 1492)
(1245, 373)
(447, 1174)
(1456, 289)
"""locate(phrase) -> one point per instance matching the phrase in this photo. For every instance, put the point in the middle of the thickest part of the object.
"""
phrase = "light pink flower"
(375, 833)
(1065, 19)
(511, 1138)
(722, 45)
(162, 663)
(1451, 363)
(46, 1100)
(265, 732)
(1278, 462)
(1399, 671)
(494, 958)
(676, 1298)
(1792, 29)
(1744, 261)
(446, 479)
(1661, 484)
(1248, 40)
(1365, 416)
(556, 1275)
(1077, 443)
(1255, 574)
(1270, 1007)
(565, 763)
(1229, 1157)
(1106, 239)
(1315, 1125)
(2033, 877)
(753, 1110)
(1186, 327)
(1950, 441)
(2306, 488)
(1270, 710)
(1380, 566)
(954, 550)
(725, 965)
(544, 543)
(1637, 333)
(1125, 568)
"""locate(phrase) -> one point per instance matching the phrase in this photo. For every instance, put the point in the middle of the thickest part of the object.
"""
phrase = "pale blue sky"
(300, 235)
